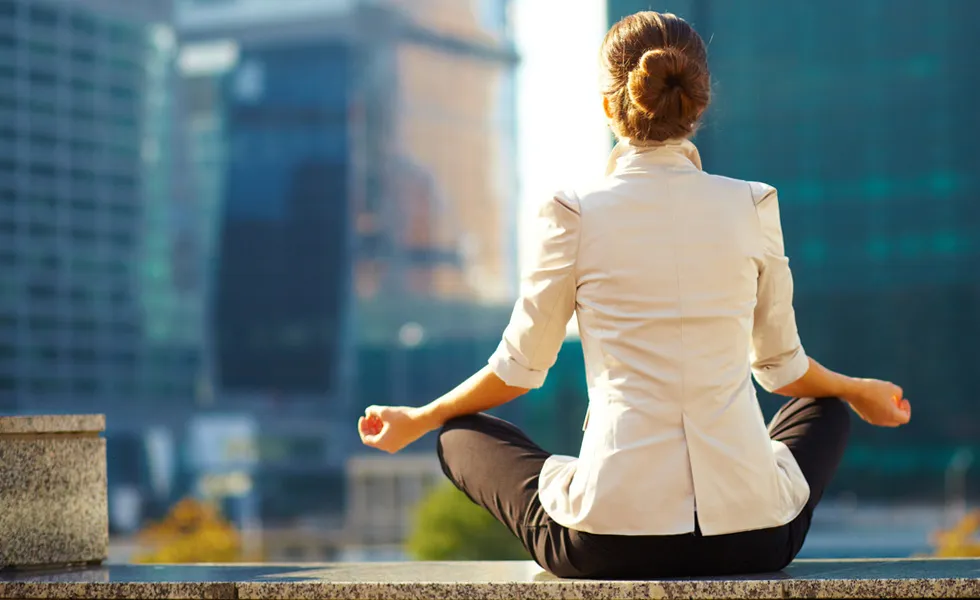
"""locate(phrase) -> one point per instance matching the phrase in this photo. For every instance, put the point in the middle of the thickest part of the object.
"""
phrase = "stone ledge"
(912, 578)
(40, 424)
(53, 498)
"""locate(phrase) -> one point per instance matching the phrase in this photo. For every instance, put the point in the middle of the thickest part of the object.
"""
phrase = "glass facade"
(358, 166)
(82, 90)
(284, 260)
(172, 282)
(437, 218)
(455, 140)
(862, 117)
(388, 176)
(436, 269)
(266, 126)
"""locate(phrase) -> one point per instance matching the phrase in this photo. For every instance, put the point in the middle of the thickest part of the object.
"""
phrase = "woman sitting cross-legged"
(682, 292)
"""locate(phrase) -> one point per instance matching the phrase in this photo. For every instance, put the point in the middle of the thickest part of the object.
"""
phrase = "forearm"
(481, 392)
(819, 382)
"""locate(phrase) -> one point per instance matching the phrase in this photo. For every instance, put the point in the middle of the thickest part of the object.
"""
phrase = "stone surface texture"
(913, 578)
(52, 424)
(53, 505)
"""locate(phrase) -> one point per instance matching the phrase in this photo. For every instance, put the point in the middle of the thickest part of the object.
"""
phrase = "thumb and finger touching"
(903, 409)
(372, 426)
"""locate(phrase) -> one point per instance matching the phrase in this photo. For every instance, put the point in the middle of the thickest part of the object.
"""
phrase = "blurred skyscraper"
(356, 163)
(861, 114)
(100, 282)
(93, 276)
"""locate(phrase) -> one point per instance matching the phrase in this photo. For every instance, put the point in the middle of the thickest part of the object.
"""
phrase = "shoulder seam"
(768, 190)
(569, 200)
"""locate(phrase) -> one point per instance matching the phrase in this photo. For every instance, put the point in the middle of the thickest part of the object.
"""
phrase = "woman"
(682, 293)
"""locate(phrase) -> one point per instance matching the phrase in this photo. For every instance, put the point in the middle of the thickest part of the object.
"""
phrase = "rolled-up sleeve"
(778, 358)
(536, 331)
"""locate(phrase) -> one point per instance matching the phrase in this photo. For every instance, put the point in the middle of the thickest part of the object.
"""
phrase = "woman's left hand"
(391, 428)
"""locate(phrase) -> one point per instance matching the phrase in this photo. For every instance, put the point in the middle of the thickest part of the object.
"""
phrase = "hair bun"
(656, 82)
(663, 84)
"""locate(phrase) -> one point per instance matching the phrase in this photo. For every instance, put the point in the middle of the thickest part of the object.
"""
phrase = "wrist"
(850, 388)
(429, 416)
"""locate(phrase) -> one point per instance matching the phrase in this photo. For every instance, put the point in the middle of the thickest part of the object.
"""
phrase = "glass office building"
(356, 163)
(386, 134)
(861, 114)
(86, 236)
(284, 259)
(436, 265)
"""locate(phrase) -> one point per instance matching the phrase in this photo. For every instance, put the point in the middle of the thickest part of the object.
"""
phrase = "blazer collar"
(673, 151)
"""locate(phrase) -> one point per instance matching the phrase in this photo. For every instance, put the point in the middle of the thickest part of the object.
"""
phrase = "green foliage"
(449, 527)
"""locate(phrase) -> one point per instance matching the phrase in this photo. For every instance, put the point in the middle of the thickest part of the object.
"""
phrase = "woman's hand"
(391, 428)
(880, 403)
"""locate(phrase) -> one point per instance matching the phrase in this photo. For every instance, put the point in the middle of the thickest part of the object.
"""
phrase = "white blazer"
(682, 292)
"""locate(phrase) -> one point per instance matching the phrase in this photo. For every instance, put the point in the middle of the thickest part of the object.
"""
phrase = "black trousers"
(497, 466)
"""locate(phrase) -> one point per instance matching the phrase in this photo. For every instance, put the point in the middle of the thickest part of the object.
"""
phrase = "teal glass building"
(94, 284)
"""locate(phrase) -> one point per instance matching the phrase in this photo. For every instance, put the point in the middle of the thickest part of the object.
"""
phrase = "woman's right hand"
(880, 403)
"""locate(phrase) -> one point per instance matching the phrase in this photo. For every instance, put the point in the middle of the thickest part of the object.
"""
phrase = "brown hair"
(657, 79)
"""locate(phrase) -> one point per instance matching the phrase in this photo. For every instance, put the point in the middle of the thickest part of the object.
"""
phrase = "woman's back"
(667, 272)
(668, 259)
